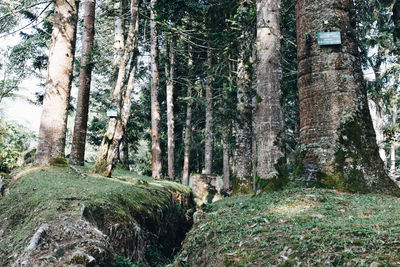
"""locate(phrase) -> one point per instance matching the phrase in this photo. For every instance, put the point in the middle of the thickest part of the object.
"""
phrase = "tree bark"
(81, 118)
(226, 165)
(188, 123)
(53, 122)
(243, 148)
(336, 126)
(379, 121)
(393, 144)
(170, 73)
(269, 113)
(208, 147)
(155, 105)
(108, 152)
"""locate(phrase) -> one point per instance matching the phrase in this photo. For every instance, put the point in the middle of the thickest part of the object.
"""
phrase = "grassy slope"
(308, 226)
(40, 195)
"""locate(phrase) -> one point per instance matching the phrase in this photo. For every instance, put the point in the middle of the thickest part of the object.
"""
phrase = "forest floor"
(296, 227)
(138, 218)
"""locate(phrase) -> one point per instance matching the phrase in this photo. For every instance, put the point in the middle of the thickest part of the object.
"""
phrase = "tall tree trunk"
(108, 152)
(155, 105)
(335, 122)
(79, 136)
(170, 73)
(269, 112)
(119, 35)
(243, 148)
(393, 144)
(53, 122)
(226, 165)
(208, 147)
(188, 124)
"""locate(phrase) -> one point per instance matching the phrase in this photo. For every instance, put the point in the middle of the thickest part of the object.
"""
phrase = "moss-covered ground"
(38, 195)
(297, 227)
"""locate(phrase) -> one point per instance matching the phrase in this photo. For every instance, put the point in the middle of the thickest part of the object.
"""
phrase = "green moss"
(37, 197)
(59, 162)
(242, 186)
(297, 227)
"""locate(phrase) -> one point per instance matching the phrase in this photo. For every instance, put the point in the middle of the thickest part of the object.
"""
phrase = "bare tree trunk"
(188, 126)
(208, 148)
(119, 35)
(335, 122)
(124, 152)
(108, 152)
(269, 112)
(170, 73)
(243, 148)
(226, 165)
(379, 121)
(81, 118)
(155, 105)
(53, 122)
(393, 144)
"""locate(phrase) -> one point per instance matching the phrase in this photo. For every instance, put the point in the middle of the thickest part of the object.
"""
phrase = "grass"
(43, 194)
(297, 227)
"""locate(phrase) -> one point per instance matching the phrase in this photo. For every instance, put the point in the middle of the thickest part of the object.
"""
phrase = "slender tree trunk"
(208, 148)
(269, 112)
(124, 152)
(170, 73)
(243, 149)
(108, 152)
(393, 144)
(226, 165)
(335, 122)
(53, 122)
(155, 105)
(188, 124)
(81, 118)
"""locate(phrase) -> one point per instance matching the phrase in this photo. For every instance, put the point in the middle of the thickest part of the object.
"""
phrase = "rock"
(374, 264)
(197, 216)
(206, 188)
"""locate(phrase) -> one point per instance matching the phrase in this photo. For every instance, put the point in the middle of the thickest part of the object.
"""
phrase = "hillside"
(56, 217)
(298, 227)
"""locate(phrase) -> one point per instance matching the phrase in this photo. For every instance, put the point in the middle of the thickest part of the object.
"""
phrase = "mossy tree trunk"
(108, 152)
(335, 122)
(82, 108)
(53, 122)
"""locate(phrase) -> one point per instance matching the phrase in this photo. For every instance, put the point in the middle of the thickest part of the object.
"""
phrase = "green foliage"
(14, 140)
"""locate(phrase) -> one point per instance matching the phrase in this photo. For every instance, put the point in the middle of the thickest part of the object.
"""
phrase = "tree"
(243, 123)
(170, 73)
(268, 113)
(122, 99)
(208, 131)
(188, 123)
(155, 105)
(82, 108)
(336, 127)
(51, 143)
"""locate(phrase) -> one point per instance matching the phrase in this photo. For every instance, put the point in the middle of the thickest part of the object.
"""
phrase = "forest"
(163, 124)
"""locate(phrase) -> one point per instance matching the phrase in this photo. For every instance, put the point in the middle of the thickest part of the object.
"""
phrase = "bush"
(14, 140)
